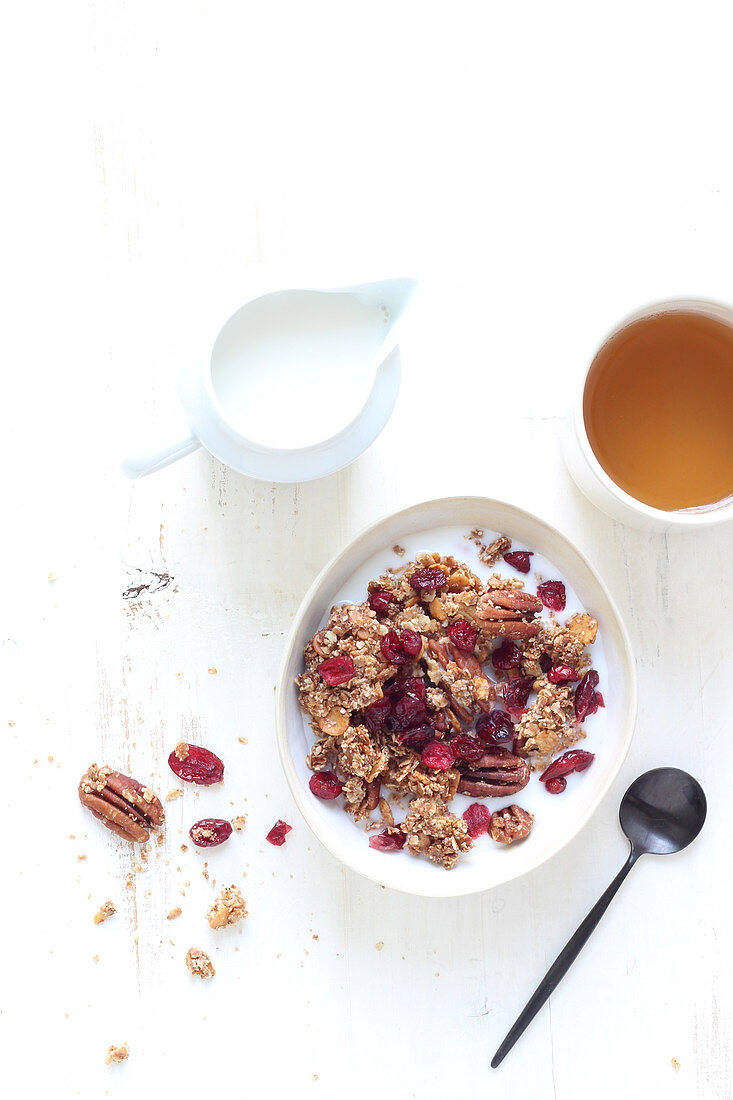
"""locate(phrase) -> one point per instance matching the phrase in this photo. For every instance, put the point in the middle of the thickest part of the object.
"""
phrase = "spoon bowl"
(662, 811)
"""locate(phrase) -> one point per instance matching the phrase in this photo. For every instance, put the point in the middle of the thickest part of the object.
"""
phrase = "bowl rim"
(298, 790)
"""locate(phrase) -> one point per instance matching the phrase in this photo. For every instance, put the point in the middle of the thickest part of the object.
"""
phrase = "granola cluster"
(394, 686)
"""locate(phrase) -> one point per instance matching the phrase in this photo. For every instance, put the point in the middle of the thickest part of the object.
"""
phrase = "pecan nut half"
(121, 803)
(496, 773)
(510, 824)
(509, 613)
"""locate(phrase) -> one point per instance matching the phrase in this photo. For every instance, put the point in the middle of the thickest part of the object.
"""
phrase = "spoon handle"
(562, 964)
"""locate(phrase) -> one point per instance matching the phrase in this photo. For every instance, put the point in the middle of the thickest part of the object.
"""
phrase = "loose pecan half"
(508, 613)
(121, 803)
(496, 773)
(510, 824)
(483, 690)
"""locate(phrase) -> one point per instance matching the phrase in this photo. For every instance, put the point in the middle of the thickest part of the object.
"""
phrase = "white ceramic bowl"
(440, 525)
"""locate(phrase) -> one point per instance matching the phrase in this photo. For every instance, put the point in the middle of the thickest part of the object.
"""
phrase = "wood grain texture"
(543, 170)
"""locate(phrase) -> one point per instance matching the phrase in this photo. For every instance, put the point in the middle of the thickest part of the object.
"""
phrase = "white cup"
(592, 479)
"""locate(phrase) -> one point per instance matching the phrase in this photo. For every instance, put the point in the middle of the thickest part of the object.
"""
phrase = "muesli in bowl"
(442, 686)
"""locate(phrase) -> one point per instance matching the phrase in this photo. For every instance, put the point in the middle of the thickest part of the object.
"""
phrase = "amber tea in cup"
(658, 409)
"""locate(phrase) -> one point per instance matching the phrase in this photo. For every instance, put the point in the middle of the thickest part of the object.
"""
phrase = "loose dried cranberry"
(552, 594)
(413, 686)
(585, 695)
(199, 765)
(516, 694)
(437, 755)
(545, 662)
(417, 737)
(377, 713)
(388, 841)
(379, 600)
(210, 831)
(463, 635)
(519, 560)
(563, 674)
(325, 785)
(392, 650)
(576, 760)
(336, 670)
(477, 817)
(508, 655)
(556, 786)
(406, 712)
(495, 728)
(278, 832)
(411, 642)
(467, 748)
(428, 579)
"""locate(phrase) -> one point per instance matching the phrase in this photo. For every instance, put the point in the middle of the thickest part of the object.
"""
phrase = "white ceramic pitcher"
(298, 384)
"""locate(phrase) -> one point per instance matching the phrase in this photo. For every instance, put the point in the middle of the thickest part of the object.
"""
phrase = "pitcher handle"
(152, 456)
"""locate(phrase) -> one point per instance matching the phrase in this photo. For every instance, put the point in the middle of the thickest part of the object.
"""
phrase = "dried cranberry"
(411, 642)
(495, 728)
(556, 786)
(417, 737)
(210, 831)
(199, 765)
(413, 686)
(552, 594)
(477, 817)
(437, 755)
(377, 713)
(467, 748)
(392, 650)
(406, 712)
(388, 841)
(545, 662)
(519, 559)
(336, 670)
(508, 655)
(516, 693)
(325, 785)
(278, 832)
(379, 600)
(585, 695)
(576, 760)
(563, 674)
(463, 635)
(428, 579)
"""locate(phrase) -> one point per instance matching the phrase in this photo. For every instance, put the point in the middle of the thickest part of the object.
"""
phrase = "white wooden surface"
(543, 168)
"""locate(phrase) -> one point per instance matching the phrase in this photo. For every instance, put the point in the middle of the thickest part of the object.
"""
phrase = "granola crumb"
(213, 671)
(243, 740)
(675, 1064)
(82, 856)
(379, 945)
(181, 749)
(105, 912)
(229, 908)
(199, 963)
(174, 794)
(174, 913)
(239, 822)
(117, 1054)
(399, 550)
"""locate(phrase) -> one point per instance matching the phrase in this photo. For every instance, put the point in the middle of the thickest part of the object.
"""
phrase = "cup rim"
(712, 307)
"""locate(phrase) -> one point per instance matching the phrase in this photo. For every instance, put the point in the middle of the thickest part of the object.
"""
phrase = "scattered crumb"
(315, 1076)
(675, 1064)
(379, 945)
(243, 740)
(213, 671)
(199, 963)
(179, 675)
(105, 912)
(229, 908)
(174, 913)
(315, 935)
(50, 760)
(240, 822)
(184, 847)
(181, 749)
(82, 856)
(117, 1054)
(51, 578)
(399, 550)
(11, 722)
(174, 794)
(95, 958)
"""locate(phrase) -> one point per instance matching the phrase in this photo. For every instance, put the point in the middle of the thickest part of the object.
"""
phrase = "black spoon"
(662, 812)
